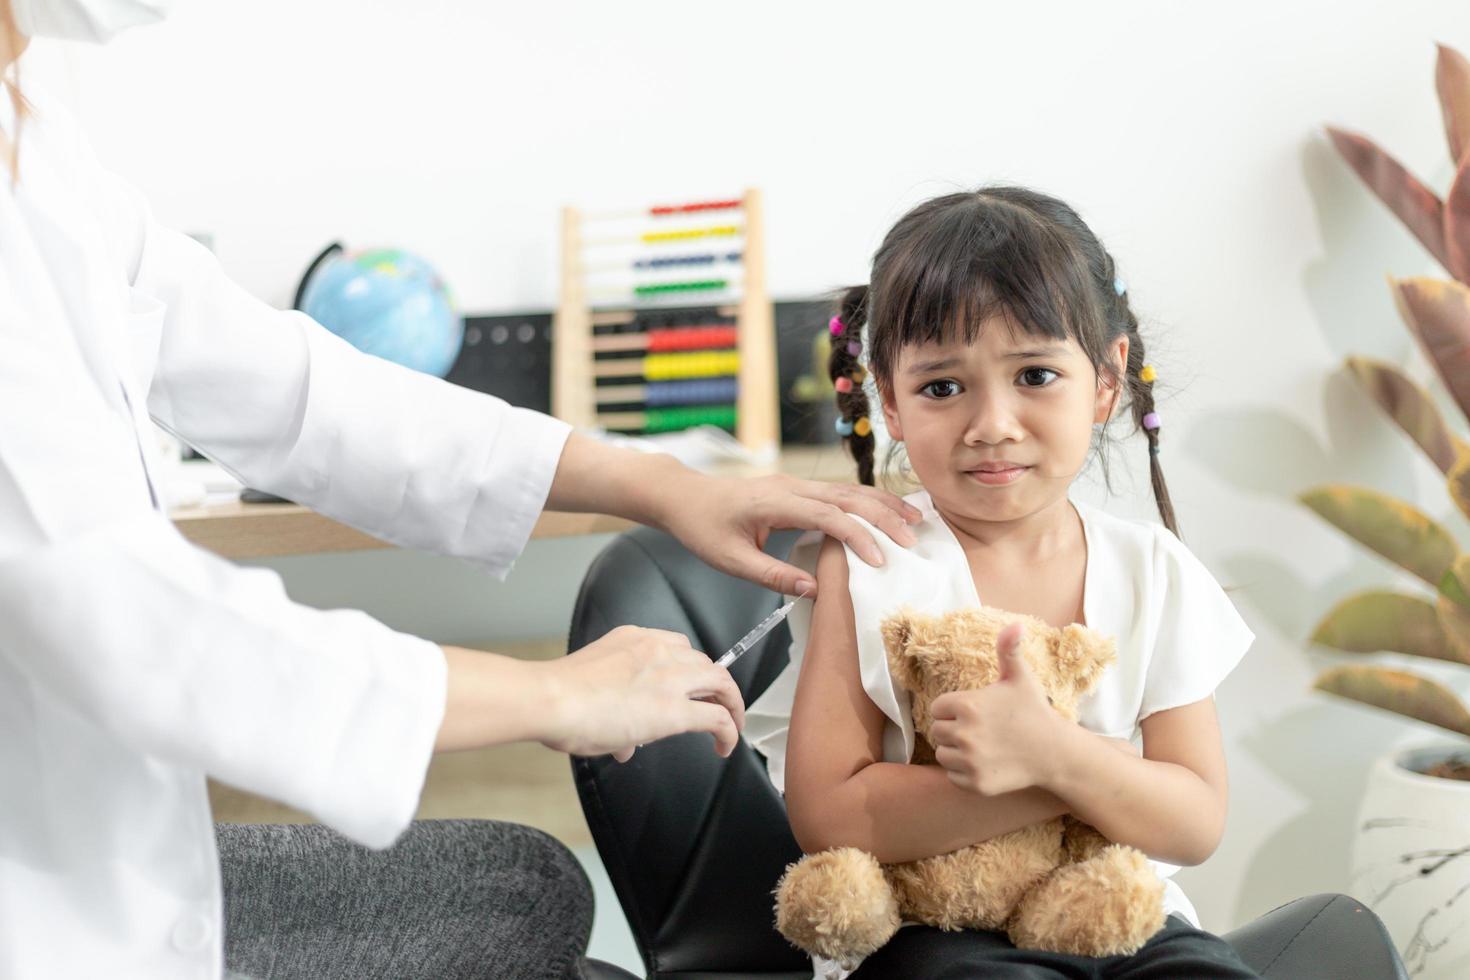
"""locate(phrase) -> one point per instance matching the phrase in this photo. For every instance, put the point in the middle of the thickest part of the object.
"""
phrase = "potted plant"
(1411, 855)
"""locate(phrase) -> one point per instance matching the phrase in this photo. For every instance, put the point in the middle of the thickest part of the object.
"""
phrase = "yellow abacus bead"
(862, 427)
(1148, 374)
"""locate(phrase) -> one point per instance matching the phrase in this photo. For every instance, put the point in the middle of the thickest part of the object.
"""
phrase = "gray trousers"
(451, 900)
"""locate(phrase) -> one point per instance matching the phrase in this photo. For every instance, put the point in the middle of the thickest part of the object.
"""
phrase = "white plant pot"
(1411, 860)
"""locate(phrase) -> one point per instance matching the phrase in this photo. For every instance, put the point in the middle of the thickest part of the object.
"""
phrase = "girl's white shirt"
(1178, 635)
(134, 664)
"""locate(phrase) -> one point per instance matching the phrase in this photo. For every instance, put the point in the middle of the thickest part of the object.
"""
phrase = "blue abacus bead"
(844, 427)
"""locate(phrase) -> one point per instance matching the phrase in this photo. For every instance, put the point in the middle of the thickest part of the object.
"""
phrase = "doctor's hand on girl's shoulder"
(1006, 736)
(725, 521)
(631, 686)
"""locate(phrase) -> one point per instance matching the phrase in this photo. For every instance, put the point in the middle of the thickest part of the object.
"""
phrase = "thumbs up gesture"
(998, 739)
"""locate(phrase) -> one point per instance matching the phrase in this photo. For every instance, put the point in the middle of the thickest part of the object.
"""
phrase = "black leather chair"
(694, 844)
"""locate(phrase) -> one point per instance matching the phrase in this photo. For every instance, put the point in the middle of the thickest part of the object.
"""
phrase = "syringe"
(761, 629)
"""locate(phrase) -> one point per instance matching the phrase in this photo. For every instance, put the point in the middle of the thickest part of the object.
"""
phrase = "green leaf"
(1400, 692)
(1454, 620)
(1414, 204)
(1452, 583)
(1372, 622)
(1399, 532)
(1409, 406)
(1457, 482)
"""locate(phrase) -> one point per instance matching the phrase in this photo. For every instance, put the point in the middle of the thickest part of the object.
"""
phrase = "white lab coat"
(133, 664)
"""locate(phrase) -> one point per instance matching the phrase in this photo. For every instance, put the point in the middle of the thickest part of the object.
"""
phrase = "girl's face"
(996, 430)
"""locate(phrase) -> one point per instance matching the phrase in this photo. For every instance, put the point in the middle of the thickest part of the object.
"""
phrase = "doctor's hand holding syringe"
(637, 685)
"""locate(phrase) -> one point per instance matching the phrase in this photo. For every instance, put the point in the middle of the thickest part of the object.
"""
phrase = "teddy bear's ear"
(898, 631)
(1082, 656)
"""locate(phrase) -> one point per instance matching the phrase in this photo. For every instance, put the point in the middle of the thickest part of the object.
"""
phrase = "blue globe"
(385, 302)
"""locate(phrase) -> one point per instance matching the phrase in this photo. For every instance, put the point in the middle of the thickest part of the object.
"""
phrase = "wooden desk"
(237, 530)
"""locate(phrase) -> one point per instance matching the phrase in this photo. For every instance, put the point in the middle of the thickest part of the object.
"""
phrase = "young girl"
(1000, 340)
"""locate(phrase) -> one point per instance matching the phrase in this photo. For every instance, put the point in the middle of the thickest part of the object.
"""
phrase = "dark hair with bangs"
(953, 262)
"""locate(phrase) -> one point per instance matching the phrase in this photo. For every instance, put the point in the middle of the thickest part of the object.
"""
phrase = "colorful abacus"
(630, 355)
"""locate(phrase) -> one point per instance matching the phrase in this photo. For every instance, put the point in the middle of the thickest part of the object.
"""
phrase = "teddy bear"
(1058, 885)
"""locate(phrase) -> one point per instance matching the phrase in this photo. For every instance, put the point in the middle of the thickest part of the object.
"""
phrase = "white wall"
(1189, 135)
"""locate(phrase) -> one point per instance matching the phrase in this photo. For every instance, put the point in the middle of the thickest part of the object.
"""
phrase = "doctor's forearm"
(594, 477)
(490, 699)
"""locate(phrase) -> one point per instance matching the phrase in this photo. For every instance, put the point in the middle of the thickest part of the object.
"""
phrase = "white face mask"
(98, 21)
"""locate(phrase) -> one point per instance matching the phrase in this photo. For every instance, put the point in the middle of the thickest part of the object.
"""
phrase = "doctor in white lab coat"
(133, 664)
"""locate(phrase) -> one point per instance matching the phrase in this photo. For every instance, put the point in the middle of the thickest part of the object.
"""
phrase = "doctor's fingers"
(878, 507)
(705, 716)
(706, 705)
(885, 511)
(715, 685)
(835, 522)
(750, 563)
(669, 667)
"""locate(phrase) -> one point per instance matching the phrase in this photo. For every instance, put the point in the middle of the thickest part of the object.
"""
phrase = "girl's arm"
(1170, 804)
(840, 793)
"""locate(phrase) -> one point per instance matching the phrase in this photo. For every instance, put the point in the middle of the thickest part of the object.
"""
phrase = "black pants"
(1178, 952)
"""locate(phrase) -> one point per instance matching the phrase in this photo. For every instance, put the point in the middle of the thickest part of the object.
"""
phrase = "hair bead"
(1119, 286)
(844, 385)
(859, 375)
(862, 427)
(844, 427)
(836, 326)
(1151, 421)
(1148, 374)
(854, 348)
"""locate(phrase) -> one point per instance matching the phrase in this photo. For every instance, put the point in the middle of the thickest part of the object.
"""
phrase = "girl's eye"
(941, 389)
(1037, 377)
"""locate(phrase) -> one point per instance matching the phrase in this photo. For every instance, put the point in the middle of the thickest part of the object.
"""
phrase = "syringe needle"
(761, 629)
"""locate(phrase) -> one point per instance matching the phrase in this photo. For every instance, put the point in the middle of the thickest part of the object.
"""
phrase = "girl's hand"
(1000, 738)
(726, 521)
